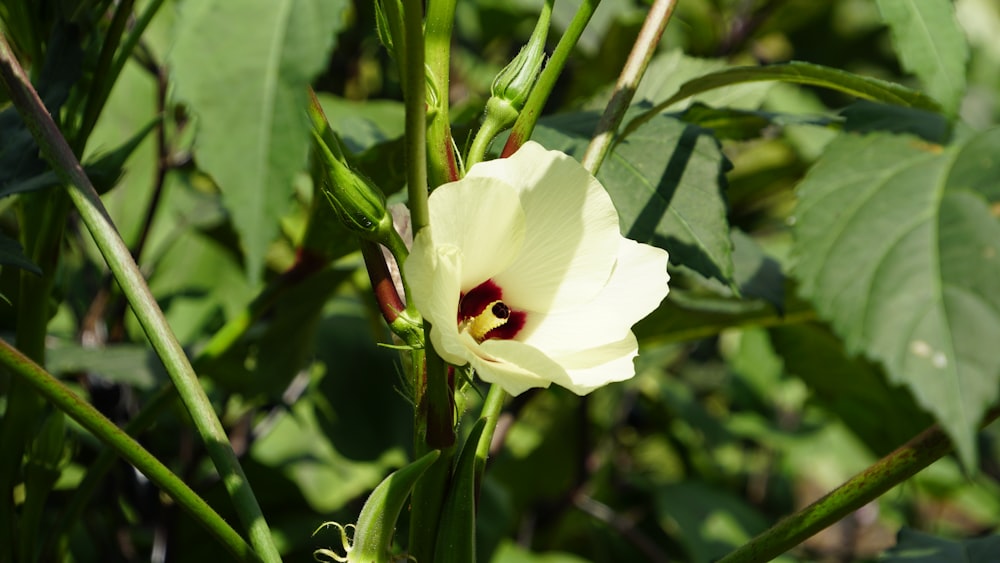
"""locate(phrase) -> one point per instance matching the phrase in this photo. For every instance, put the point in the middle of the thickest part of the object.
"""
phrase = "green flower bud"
(358, 203)
(512, 85)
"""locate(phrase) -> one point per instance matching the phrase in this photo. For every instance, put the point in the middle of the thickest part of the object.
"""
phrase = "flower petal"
(433, 276)
(571, 229)
(636, 287)
(483, 219)
(596, 367)
(515, 366)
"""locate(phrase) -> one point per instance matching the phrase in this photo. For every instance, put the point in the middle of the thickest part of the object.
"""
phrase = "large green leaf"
(917, 547)
(666, 182)
(243, 67)
(896, 249)
(931, 44)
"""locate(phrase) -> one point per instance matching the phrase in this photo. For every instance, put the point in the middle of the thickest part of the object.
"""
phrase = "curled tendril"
(328, 555)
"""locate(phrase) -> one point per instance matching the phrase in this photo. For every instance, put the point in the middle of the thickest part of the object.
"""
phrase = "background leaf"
(11, 254)
(666, 182)
(895, 250)
(918, 547)
(244, 68)
(930, 44)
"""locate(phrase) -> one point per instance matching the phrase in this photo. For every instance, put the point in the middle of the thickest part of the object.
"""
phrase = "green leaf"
(868, 117)
(11, 254)
(931, 45)
(917, 547)
(128, 364)
(897, 252)
(456, 539)
(709, 522)
(362, 125)
(20, 161)
(666, 182)
(377, 522)
(798, 73)
(668, 72)
(243, 67)
(852, 388)
(510, 552)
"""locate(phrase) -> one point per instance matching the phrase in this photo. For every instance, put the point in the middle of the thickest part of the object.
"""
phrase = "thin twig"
(628, 81)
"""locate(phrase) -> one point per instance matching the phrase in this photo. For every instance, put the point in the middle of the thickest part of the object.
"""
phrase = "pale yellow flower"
(523, 273)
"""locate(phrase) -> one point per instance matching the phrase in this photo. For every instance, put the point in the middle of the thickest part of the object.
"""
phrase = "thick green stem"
(97, 424)
(415, 99)
(532, 110)
(437, 51)
(927, 447)
(57, 151)
(628, 81)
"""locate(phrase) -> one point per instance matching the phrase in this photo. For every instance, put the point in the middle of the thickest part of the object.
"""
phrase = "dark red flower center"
(483, 313)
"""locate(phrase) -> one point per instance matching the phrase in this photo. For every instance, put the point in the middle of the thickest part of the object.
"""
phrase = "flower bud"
(358, 203)
(512, 85)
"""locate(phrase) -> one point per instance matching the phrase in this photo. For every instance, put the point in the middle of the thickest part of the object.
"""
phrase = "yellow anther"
(494, 315)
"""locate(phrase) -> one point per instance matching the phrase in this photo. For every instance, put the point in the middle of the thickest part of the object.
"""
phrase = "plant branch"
(906, 461)
(97, 424)
(628, 81)
(532, 110)
(437, 52)
(58, 152)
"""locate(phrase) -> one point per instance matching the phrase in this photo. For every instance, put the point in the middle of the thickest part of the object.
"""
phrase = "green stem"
(415, 99)
(43, 216)
(532, 110)
(492, 407)
(437, 52)
(927, 447)
(492, 127)
(57, 151)
(87, 416)
(628, 81)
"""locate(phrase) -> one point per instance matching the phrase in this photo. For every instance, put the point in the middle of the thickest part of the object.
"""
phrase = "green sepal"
(377, 521)
(456, 539)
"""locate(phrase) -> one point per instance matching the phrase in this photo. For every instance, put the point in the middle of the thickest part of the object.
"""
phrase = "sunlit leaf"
(901, 256)
(243, 68)
(931, 44)
(666, 182)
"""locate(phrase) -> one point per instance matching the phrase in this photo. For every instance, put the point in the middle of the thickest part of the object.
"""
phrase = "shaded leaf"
(128, 364)
(510, 552)
(868, 117)
(930, 44)
(709, 522)
(917, 547)
(20, 161)
(666, 182)
(12, 254)
(852, 388)
(895, 250)
(244, 68)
